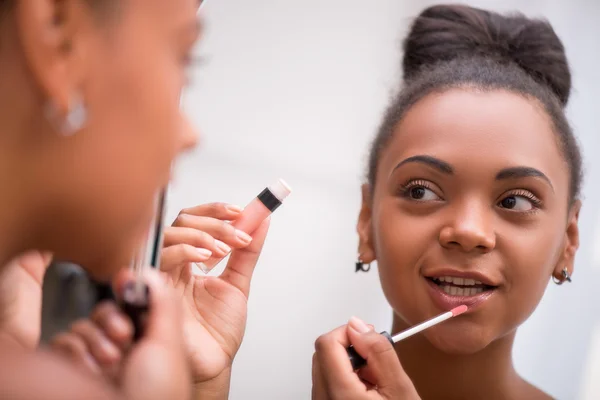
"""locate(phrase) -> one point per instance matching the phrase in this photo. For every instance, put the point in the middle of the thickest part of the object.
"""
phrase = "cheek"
(142, 115)
(530, 258)
(124, 154)
(401, 241)
(137, 125)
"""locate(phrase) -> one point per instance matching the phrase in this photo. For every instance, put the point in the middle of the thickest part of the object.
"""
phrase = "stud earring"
(566, 277)
(73, 122)
(361, 266)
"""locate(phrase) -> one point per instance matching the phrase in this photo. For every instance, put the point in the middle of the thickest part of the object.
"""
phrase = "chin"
(102, 272)
(458, 340)
(101, 267)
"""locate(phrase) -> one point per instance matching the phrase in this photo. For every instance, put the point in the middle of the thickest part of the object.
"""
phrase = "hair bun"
(447, 32)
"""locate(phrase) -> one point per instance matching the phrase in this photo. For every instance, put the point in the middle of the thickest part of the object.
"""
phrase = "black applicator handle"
(356, 360)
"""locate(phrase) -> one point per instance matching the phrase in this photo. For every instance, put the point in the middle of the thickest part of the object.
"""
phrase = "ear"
(50, 32)
(571, 243)
(366, 250)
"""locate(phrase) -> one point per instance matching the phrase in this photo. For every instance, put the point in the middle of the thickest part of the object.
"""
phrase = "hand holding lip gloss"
(254, 214)
(359, 362)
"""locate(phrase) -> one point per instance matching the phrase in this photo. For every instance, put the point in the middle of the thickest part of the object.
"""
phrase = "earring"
(566, 277)
(360, 265)
(73, 122)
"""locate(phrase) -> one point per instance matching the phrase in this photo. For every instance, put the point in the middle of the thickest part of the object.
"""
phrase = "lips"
(452, 288)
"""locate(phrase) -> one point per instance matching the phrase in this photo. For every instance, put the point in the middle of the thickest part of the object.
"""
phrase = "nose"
(470, 229)
(189, 135)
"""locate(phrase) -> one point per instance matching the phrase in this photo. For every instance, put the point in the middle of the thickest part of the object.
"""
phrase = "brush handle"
(356, 360)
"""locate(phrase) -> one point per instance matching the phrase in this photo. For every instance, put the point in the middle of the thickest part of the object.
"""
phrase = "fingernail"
(243, 236)
(222, 246)
(358, 325)
(118, 324)
(111, 352)
(92, 364)
(204, 252)
(233, 208)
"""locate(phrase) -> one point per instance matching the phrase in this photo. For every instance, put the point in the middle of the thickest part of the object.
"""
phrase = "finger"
(319, 391)
(202, 241)
(99, 346)
(174, 257)
(334, 363)
(383, 366)
(35, 263)
(223, 211)
(74, 348)
(243, 261)
(116, 325)
(218, 229)
(159, 354)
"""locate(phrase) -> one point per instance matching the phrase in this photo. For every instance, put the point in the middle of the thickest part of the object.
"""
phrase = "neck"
(14, 220)
(438, 375)
(18, 196)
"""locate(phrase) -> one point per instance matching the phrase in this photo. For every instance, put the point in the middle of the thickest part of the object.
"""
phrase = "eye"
(521, 201)
(419, 191)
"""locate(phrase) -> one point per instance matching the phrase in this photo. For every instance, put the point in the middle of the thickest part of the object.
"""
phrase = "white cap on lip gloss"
(280, 189)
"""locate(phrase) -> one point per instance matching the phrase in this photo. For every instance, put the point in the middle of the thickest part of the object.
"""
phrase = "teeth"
(453, 290)
(458, 281)
(458, 291)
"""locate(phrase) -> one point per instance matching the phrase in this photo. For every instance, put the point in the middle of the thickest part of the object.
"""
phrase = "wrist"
(216, 388)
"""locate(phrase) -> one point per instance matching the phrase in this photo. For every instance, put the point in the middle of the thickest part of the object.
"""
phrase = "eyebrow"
(505, 174)
(522, 172)
(430, 161)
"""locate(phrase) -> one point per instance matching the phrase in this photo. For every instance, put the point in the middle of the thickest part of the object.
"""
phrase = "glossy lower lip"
(447, 302)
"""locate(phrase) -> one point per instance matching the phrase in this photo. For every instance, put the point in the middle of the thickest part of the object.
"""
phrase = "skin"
(21, 298)
(459, 220)
(129, 69)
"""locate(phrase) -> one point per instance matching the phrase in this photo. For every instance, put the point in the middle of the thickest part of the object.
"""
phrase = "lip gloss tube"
(254, 214)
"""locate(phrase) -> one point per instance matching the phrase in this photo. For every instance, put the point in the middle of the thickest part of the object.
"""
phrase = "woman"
(472, 198)
(91, 124)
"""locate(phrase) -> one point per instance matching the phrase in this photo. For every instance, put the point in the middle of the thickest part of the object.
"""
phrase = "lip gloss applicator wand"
(358, 362)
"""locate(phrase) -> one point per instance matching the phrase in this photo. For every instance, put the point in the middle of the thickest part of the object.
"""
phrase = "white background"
(296, 89)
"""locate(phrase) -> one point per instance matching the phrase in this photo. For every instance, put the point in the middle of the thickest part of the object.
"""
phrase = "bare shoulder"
(40, 375)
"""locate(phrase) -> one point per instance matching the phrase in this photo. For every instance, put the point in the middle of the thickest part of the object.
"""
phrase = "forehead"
(478, 131)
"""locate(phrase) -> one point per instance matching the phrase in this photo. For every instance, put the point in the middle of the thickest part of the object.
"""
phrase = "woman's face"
(470, 206)
(130, 66)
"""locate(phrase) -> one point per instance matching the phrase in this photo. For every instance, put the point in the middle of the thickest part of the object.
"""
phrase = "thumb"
(383, 367)
(156, 367)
